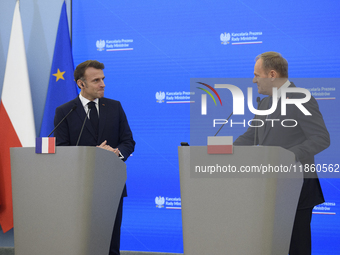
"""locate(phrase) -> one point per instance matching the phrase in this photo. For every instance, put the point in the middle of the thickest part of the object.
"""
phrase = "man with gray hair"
(306, 139)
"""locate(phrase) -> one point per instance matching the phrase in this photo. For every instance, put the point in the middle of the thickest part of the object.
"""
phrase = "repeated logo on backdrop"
(168, 202)
(114, 45)
(176, 97)
(241, 38)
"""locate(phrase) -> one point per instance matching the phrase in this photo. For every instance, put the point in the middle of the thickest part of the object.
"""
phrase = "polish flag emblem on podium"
(220, 145)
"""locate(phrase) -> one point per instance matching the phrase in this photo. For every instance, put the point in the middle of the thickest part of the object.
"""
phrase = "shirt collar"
(284, 86)
(85, 101)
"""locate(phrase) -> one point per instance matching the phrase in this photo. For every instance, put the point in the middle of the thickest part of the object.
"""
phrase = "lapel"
(80, 110)
(274, 115)
(263, 133)
(81, 114)
(102, 117)
(261, 130)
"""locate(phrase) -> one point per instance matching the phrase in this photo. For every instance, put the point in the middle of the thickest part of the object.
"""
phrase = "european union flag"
(62, 87)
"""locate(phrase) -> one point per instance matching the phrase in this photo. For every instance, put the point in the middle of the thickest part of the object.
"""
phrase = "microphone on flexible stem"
(258, 100)
(73, 108)
(223, 124)
(82, 127)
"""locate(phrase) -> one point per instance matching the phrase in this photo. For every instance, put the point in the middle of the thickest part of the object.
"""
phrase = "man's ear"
(80, 83)
(273, 75)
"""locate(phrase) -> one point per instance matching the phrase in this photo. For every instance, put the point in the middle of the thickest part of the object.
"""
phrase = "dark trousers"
(115, 239)
(301, 241)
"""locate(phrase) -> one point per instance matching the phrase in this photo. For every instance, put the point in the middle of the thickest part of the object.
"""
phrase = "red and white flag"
(220, 145)
(16, 115)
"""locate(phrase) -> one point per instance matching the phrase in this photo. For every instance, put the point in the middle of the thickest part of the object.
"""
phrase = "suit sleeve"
(314, 129)
(249, 136)
(62, 132)
(126, 143)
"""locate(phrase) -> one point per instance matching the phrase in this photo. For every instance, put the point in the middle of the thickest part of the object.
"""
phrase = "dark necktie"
(94, 116)
(270, 102)
(268, 123)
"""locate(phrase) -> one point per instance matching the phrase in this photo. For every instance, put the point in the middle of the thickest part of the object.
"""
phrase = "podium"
(240, 212)
(65, 203)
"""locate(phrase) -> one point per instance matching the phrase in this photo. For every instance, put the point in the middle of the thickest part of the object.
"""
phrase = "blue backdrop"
(151, 49)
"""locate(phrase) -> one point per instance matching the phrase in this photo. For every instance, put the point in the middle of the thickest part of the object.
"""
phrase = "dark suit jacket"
(305, 140)
(113, 127)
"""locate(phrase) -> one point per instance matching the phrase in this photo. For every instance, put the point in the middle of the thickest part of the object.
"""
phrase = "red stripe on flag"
(8, 138)
(51, 145)
(220, 149)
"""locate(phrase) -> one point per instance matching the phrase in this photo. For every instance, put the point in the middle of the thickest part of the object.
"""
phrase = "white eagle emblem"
(160, 96)
(159, 201)
(225, 38)
(100, 45)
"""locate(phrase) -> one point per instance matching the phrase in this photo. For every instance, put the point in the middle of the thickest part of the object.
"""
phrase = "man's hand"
(104, 146)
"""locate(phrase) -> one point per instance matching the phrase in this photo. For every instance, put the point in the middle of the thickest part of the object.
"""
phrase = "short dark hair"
(81, 68)
(274, 61)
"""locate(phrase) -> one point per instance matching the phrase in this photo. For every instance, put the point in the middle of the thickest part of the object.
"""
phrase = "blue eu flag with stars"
(62, 87)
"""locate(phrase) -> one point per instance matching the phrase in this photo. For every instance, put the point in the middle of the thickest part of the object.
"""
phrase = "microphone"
(258, 100)
(224, 124)
(73, 108)
(82, 128)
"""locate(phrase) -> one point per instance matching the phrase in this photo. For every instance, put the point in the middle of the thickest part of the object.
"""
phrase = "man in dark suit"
(107, 126)
(306, 136)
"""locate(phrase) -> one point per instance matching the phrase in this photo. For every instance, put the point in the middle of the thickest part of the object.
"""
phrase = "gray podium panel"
(65, 203)
(237, 215)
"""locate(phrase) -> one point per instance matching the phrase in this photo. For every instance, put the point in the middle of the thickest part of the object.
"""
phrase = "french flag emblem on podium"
(45, 145)
(220, 145)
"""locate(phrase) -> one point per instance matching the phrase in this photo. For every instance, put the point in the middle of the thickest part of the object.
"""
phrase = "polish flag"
(16, 115)
(220, 145)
